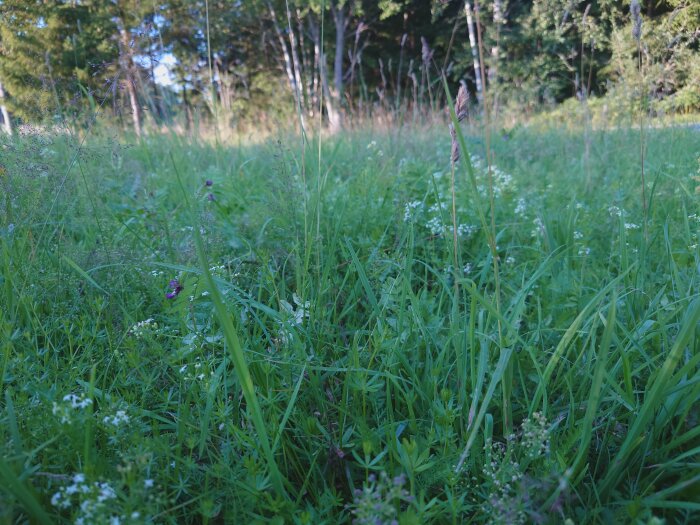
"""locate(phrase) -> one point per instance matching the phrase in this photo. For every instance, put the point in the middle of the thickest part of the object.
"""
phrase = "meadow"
(278, 331)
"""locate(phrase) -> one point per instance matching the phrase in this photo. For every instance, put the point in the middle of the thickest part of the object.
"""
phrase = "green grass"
(320, 364)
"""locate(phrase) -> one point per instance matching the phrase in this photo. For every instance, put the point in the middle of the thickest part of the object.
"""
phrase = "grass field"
(266, 333)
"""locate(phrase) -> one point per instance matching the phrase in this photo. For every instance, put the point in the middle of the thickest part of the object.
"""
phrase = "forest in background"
(153, 61)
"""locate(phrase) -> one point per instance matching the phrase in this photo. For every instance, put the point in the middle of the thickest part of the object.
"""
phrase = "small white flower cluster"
(411, 209)
(157, 273)
(436, 226)
(584, 250)
(77, 401)
(578, 235)
(93, 500)
(539, 228)
(70, 404)
(119, 418)
(219, 269)
(196, 371)
(535, 440)
(372, 148)
(631, 226)
(435, 208)
(143, 327)
(521, 207)
(501, 180)
(614, 211)
(466, 230)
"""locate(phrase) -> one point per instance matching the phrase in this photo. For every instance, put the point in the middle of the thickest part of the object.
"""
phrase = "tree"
(49, 51)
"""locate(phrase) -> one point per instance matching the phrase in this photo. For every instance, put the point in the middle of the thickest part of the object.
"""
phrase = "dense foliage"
(234, 60)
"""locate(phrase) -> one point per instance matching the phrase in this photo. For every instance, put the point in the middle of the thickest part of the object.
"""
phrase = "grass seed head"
(461, 113)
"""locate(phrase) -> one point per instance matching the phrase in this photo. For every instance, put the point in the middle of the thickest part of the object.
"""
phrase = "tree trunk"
(333, 114)
(307, 71)
(127, 64)
(495, 51)
(297, 68)
(475, 51)
(6, 122)
(288, 65)
(340, 25)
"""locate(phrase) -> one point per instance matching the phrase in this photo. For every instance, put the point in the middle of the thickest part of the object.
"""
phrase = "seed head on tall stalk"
(636, 13)
(461, 113)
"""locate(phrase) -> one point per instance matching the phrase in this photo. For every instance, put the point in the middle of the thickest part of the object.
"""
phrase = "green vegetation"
(320, 359)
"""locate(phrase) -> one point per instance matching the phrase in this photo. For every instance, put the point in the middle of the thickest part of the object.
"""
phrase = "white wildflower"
(143, 327)
(411, 209)
(117, 419)
(466, 230)
(614, 211)
(435, 226)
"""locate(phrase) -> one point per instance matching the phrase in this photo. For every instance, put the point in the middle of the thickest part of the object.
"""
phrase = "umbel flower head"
(461, 113)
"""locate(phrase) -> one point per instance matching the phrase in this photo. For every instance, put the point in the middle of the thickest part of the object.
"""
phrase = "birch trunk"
(6, 122)
(333, 114)
(340, 26)
(475, 52)
(288, 64)
(127, 64)
(340, 20)
(297, 70)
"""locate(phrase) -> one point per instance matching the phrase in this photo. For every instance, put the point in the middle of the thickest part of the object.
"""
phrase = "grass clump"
(193, 333)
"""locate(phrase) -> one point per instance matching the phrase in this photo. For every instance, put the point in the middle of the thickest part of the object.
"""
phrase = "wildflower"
(466, 230)
(208, 183)
(410, 209)
(578, 235)
(175, 288)
(148, 483)
(211, 197)
(614, 211)
(77, 401)
(631, 226)
(117, 419)
(435, 226)
(143, 327)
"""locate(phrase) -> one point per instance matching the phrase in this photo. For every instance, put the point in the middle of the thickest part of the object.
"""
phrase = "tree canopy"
(343, 57)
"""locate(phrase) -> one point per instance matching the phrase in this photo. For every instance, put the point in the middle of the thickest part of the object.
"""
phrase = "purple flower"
(175, 288)
(210, 196)
(209, 182)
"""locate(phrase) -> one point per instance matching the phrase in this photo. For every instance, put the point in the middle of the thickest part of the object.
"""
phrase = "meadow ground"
(193, 333)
